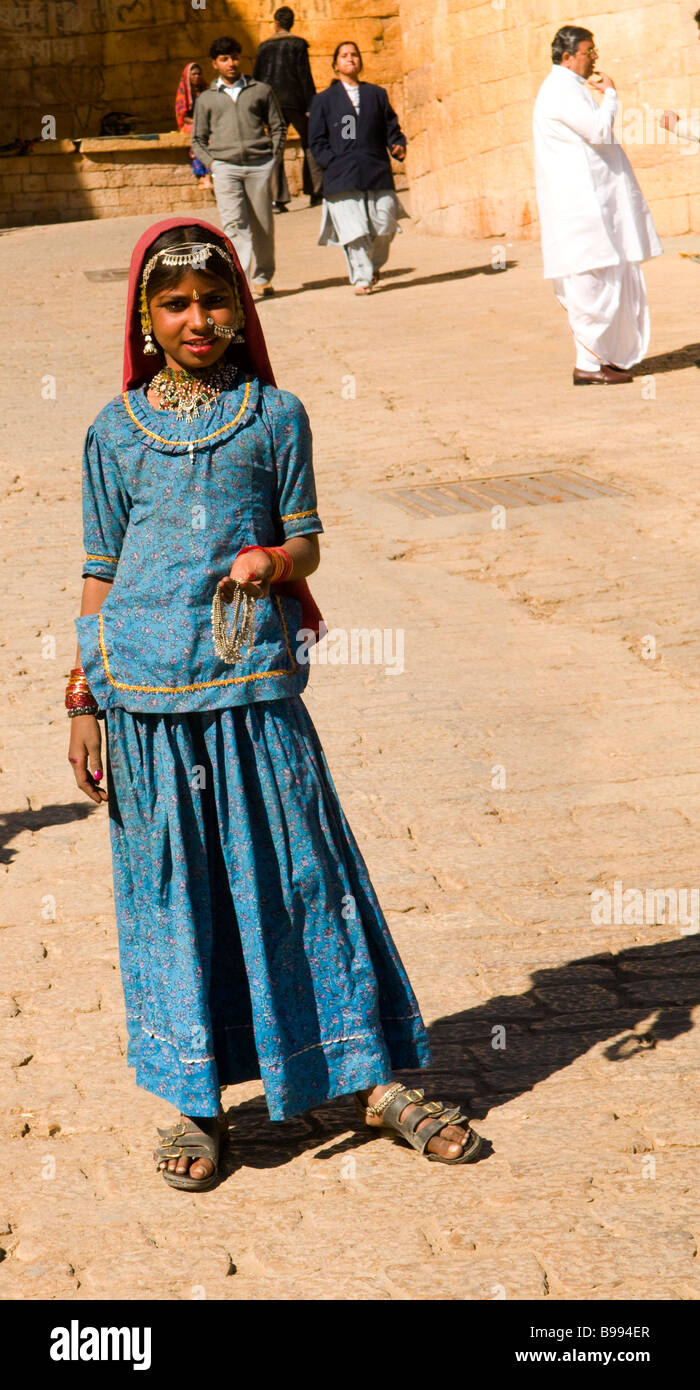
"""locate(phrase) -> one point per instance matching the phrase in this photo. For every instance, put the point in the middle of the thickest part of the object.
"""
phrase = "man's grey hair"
(567, 40)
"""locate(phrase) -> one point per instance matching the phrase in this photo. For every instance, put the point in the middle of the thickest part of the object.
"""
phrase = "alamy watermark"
(76, 1343)
(355, 646)
(638, 907)
(642, 125)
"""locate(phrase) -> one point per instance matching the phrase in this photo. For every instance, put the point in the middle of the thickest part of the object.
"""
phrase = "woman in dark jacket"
(352, 125)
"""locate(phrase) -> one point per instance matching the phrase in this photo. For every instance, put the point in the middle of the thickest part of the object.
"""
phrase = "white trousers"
(608, 315)
(364, 223)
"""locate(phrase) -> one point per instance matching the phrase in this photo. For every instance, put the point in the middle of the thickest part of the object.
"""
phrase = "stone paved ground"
(528, 649)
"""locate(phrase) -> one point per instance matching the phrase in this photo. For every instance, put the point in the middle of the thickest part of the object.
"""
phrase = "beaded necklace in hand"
(190, 396)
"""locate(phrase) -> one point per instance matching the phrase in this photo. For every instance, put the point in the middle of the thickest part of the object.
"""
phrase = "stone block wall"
(471, 74)
(79, 59)
(58, 182)
(462, 74)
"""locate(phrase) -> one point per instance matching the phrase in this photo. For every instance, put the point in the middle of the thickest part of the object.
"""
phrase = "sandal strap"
(433, 1111)
(182, 1139)
(433, 1127)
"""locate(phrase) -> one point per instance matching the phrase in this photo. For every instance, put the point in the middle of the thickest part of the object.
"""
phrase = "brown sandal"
(395, 1100)
(186, 1138)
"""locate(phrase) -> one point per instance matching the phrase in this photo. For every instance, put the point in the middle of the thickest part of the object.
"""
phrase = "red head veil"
(184, 105)
(138, 369)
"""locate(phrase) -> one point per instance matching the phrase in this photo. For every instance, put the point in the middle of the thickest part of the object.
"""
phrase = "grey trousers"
(244, 199)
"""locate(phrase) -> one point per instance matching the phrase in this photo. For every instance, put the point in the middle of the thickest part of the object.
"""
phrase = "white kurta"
(347, 217)
(364, 224)
(591, 207)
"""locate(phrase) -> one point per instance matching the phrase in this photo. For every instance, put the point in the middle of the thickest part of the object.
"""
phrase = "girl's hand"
(253, 572)
(85, 756)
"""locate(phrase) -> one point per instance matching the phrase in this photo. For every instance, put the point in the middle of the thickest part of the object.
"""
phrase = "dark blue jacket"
(351, 149)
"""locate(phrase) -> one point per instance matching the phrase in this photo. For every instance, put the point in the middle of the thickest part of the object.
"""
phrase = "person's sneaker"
(261, 291)
(279, 207)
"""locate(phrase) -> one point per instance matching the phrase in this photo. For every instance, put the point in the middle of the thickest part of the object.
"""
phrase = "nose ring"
(226, 330)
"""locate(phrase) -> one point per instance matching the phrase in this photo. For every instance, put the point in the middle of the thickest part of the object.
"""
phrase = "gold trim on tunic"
(186, 443)
(197, 685)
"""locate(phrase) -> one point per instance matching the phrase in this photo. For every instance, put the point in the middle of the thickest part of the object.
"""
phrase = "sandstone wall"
(78, 59)
(462, 74)
(472, 71)
(69, 181)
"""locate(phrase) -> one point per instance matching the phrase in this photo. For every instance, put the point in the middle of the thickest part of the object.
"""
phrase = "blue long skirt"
(251, 940)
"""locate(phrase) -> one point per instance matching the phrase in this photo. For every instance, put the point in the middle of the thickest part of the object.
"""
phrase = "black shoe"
(315, 200)
(279, 207)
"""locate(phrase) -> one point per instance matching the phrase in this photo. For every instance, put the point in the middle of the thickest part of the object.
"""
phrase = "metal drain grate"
(107, 274)
(481, 494)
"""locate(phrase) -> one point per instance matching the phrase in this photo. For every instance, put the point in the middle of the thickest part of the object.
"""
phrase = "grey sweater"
(250, 130)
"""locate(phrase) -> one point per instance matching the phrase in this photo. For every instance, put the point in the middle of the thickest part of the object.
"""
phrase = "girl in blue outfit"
(251, 941)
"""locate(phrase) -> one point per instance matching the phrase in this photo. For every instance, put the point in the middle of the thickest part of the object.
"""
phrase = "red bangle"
(78, 692)
(280, 557)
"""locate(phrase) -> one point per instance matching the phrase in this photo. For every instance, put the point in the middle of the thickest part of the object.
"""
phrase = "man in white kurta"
(596, 226)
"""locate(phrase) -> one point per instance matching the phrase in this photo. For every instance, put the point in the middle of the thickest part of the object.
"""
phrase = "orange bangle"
(282, 561)
(78, 693)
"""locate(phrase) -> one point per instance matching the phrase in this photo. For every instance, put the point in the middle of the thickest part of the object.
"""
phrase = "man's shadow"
(676, 361)
(491, 1053)
(12, 823)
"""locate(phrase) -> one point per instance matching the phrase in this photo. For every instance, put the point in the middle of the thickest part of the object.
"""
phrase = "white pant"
(608, 315)
(366, 255)
(364, 224)
(244, 199)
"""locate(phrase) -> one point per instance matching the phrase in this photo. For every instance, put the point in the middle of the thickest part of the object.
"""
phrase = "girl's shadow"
(490, 1054)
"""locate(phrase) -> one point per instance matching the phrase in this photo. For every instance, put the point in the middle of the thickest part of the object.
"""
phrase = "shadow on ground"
(568, 1010)
(12, 823)
(389, 279)
(676, 361)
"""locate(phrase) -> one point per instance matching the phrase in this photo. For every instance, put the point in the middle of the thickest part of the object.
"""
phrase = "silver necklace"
(228, 645)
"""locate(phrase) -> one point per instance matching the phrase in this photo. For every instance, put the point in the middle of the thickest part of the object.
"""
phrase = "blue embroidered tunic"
(167, 505)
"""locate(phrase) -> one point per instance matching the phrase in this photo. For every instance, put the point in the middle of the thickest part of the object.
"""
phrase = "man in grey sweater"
(239, 133)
